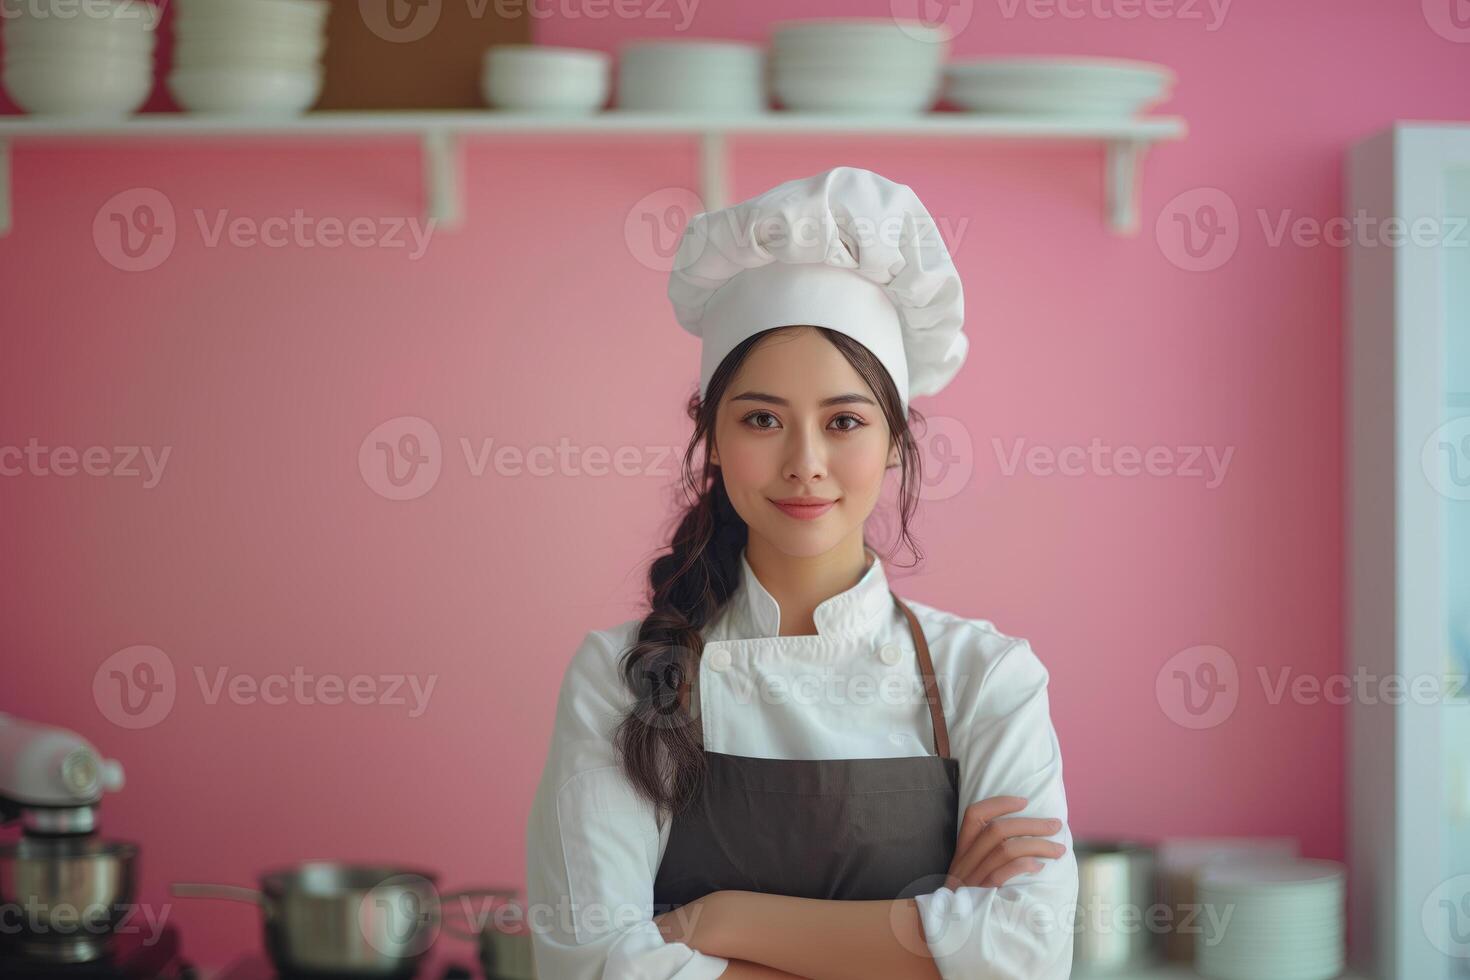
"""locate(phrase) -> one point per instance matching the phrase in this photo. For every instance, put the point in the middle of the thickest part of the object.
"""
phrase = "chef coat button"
(890, 654)
(719, 659)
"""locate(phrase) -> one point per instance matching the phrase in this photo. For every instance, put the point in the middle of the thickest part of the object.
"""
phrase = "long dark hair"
(690, 584)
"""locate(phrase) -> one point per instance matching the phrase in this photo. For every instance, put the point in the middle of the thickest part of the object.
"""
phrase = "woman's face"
(775, 439)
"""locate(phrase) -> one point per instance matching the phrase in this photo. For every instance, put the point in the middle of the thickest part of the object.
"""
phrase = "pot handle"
(447, 897)
(234, 892)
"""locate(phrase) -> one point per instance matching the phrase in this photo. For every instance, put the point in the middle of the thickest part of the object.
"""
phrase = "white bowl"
(564, 95)
(692, 76)
(705, 95)
(854, 91)
(81, 43)
(687, 98)
(692, 56)
(101, 66)
(263, 90)
(300, 51)
(285, 16)
(245, 20)
(102, 88)
(547, 58)
(539, 78)
(862, 26)
(314, 11)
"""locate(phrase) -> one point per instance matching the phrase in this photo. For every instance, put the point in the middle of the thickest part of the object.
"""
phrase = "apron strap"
(931, 686)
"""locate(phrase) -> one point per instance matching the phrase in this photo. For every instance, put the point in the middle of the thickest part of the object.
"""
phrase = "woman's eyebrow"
(844, 399)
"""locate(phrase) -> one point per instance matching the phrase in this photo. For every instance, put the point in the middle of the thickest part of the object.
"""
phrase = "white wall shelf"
(1124, 142)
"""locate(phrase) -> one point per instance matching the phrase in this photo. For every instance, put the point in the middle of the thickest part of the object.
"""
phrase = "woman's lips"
(805, 512)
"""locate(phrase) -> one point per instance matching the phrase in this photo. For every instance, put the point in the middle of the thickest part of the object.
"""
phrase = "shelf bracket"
(712, 171)
(1121, 179)
(443, 178)
(5, 199)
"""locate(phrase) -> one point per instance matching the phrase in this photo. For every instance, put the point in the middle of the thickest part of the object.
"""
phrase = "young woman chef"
(783, 769)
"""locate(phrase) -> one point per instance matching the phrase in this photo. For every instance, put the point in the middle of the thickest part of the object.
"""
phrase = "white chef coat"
(851, 691)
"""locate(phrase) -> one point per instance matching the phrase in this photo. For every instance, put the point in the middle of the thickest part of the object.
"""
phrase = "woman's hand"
(683, 924)
(991, 851)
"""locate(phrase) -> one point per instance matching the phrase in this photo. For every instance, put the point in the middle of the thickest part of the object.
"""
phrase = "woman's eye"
(857, 423)
(758, 415)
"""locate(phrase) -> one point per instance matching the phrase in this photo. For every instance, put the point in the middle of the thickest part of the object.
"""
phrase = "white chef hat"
(846, 249)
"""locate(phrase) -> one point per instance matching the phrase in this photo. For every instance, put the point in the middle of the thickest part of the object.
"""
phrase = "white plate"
(1079, 67)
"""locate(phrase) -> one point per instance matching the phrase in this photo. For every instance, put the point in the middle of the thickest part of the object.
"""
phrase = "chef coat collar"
(754, 613)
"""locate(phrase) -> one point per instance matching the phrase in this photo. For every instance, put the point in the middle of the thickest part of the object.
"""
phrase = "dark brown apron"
(848, 829)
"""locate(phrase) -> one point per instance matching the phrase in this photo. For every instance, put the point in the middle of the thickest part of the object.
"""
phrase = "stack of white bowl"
(92, 60)
(543, 78)
(691, 76)
(1072, 86)
(248, 55)
(1282, 920)
(857, 65)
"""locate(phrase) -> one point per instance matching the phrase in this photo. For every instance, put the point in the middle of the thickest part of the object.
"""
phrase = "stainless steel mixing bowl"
(62, 898)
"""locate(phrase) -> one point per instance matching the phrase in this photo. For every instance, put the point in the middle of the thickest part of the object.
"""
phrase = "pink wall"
(263, 549)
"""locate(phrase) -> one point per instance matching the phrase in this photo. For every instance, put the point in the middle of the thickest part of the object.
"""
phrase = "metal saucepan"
(1116, 888)
(327, 918)
(69, 893)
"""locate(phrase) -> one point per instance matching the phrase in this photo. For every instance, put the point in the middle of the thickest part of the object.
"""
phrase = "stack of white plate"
(542, 78)
(1070, 86)
(858, 65)
(1278, 920)
(92, 60)
(691, 76)
(248, 55)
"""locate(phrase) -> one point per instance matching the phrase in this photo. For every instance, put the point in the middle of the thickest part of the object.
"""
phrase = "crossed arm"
(769, 937)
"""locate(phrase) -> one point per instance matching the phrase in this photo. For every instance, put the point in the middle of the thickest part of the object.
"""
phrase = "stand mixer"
(64, 890)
